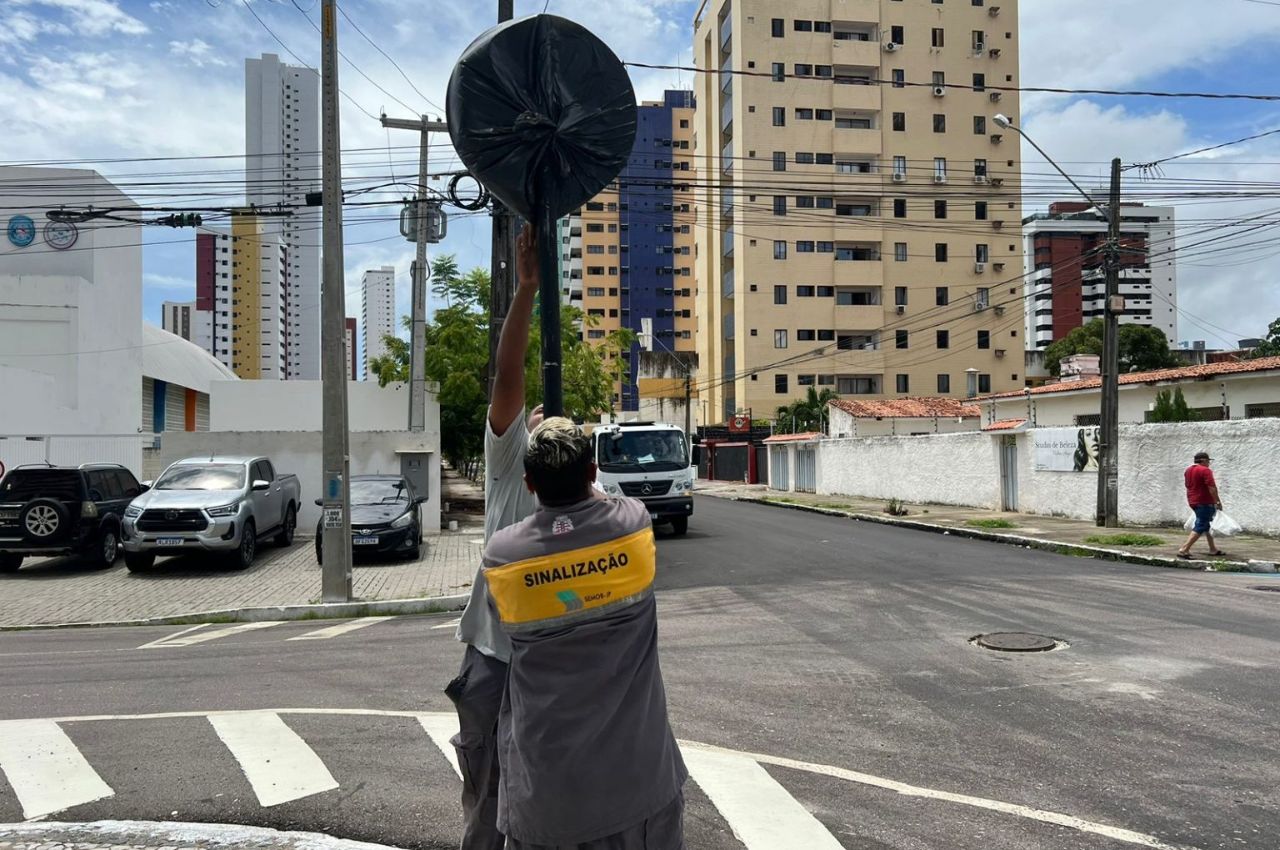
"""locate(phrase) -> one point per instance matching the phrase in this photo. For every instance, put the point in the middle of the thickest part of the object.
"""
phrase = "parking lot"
(68, 590)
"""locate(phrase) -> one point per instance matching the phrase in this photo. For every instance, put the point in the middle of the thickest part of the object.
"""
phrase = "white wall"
(300, 453)
(843, 424)
(125, 450)
(949, 469)
(298, 406)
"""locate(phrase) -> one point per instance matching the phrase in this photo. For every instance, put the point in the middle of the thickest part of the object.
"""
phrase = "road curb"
(1076, 549)
(165, 835)
(319, 611)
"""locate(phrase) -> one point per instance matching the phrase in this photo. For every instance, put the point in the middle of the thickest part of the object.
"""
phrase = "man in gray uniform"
(588, 758)
(477, 690)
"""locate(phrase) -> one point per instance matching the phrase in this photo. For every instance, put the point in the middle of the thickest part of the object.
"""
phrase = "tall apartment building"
(627, 256)
(379, 314)
(857, 206)
(1065, 280)
(242, 297)
(282, 164)
(176, 317)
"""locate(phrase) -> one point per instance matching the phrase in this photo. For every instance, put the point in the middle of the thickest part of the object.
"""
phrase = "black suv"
(62, 510)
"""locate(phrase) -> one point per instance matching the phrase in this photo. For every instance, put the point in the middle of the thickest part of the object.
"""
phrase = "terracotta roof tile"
(1005, 425)
(806, 437)
(906, 408)
(1208, 370)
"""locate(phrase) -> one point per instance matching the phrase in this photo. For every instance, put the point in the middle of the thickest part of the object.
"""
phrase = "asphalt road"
(836, 654)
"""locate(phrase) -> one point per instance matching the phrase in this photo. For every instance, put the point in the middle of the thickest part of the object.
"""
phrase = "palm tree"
(806, 414)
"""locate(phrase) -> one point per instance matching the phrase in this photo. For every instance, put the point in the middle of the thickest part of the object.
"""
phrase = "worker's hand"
(527, 276)
(535, 417)
(1218, 505)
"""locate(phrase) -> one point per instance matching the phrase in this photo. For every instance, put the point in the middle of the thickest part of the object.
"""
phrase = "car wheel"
(285, 537)
(243, 557)
(9, 562)
(680, 524)
(44, 520)
(106, 549)
(139, 562)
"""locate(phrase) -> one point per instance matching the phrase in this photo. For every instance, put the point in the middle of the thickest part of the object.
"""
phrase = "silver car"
(217, 504)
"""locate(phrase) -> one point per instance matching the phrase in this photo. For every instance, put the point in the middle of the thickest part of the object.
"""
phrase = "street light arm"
(1010, 125)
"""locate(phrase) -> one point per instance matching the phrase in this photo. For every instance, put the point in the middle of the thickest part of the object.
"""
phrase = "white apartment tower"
(282, 164)
(379, 318)
(176, 317)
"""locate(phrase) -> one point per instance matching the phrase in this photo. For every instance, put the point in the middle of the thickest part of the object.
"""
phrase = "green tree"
(805, 414)
(1141, 348)
(1271, 345)
(1171, 406)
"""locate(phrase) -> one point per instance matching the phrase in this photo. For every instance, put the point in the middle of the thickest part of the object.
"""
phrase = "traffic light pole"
(549, 308)
(335, 585)
(503, 247)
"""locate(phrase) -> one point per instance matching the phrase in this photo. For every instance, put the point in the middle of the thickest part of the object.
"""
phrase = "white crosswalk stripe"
(44, 768)
(276, 761)
(440, 728)
(341, 628)
(198, 634)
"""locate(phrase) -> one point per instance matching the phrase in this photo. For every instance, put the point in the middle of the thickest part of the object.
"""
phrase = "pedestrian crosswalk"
(281, 757)
(207, 633)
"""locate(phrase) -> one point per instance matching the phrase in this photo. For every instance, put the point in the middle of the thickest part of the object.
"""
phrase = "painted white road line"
(440, 728)
(1056, 818)
(44, 768)
(191, 637)
(341, 628)
(762, 814)
(162, 640)
(449, 625)
(278, 764)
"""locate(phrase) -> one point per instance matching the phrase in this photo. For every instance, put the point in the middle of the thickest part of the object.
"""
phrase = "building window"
(940, 169)
(780, 339)
(779, 161)
(804, 158)
(939, 37)
(979, 168)
(804, 114)
(984, 339)
(779, 72)
(899, 207)
(939, 78)
(897, 35)
(941, 296)
(779, 204)
(805, 336)
(900, 252)
(982, 253)
(944, 339)
(979, 82)
(904, 384)
(803, 70)
(944, 384)
(939, 209)
(777, 27)
(939, 123)
(979, 41)
(826, 335)
(779, 250)
(822, 26)
(900, 122)
(779, 116)
(980, 210)
(804, 247)
(803, 26)
(940, 252)
(900, 339)
(984, 383)
(779, 295)
(804, 291)
(979, 125)
(780, 384)
(900, 296)
(899, 78)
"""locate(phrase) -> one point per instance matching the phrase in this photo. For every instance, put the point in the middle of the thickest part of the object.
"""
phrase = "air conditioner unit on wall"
(890, 46)
(939, 91)
(994, 97)
(997, 138)
(980, 179)
(939, 178)
(999, 352)
(997, 224)
(997, 181)
(900, 309)
(899, 177)
(995, 53)
(994, 11)
(979, 268)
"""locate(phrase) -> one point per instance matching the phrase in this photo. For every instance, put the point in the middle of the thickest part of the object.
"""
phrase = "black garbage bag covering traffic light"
(542, 113)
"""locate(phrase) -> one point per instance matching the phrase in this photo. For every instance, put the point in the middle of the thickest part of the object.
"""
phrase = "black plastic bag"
(542, 113)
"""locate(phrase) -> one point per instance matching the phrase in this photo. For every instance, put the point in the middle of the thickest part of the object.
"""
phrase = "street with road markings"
(822, 678)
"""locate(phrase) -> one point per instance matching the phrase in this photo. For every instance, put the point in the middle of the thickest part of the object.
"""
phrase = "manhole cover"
(1267, 587)
(1016, 642)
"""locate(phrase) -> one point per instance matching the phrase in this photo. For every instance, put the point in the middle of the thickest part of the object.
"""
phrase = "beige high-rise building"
(858, 209)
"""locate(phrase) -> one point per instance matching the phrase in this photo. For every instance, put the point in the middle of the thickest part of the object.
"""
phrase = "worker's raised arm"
(508, 384)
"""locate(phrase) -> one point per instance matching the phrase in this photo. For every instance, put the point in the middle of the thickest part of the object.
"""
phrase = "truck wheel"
(680, 524)
(243, 557)
(139, 562)
(105, 549)
(285, 537)
(9, 562)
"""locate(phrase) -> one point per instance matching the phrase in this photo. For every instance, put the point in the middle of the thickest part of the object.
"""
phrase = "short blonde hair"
(557, 459)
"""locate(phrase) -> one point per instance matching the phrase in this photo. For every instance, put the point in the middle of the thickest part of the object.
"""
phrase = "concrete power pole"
(336, 539)
(418, 309)
(502, 270)
(1109, 436)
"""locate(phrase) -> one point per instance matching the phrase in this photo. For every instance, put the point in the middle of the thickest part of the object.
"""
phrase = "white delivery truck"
(647, 461)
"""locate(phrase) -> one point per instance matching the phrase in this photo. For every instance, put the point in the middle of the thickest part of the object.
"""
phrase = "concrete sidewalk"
(1023, 529)
(144, 835)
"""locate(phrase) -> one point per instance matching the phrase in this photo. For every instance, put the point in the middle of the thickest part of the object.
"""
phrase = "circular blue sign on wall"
(22, 230)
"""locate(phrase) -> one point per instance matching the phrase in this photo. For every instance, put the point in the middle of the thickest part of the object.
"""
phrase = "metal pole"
(418, 338)
(688, 406)
(549, 305)
(336, 576)
(503, 249)
(1109, 437)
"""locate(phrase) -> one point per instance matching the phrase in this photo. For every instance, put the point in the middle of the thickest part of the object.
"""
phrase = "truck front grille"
(159, 519)
(637, 488)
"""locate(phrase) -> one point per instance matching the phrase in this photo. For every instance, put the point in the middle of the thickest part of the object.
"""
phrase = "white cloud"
(175, 286)
(199, 53)
(92, 17)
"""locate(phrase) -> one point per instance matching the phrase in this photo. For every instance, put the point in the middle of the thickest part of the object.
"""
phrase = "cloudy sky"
(112, 79)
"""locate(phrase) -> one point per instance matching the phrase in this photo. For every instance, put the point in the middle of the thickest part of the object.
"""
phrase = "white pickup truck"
(217, 504)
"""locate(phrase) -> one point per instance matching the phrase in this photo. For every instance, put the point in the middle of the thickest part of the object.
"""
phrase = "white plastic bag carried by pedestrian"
(1222, 525)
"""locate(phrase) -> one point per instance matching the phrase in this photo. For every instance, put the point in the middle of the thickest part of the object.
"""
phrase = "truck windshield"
(650, 450)
(213, 476)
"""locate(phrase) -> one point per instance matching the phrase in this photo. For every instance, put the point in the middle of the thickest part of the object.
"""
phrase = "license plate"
(8, 515)
(169, 541)
(364, 541)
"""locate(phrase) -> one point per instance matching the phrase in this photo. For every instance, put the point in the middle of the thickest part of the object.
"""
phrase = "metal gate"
(806, 470)
(762, 464)
(780, 472)
(1009, 473)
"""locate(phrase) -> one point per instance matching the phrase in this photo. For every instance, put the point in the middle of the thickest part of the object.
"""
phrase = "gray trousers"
(477, 695)
(663, 831)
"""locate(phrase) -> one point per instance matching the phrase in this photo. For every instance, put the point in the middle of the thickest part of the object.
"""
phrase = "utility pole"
(688, 406)
(418, 309)
(503, 242)
(336, 534)
(1109, 436)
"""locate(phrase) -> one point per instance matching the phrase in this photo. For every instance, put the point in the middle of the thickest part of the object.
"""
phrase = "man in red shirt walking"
(1202, 496)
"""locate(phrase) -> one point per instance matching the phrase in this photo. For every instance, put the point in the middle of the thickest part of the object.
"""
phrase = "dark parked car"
(384, 517)
(64, 510)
